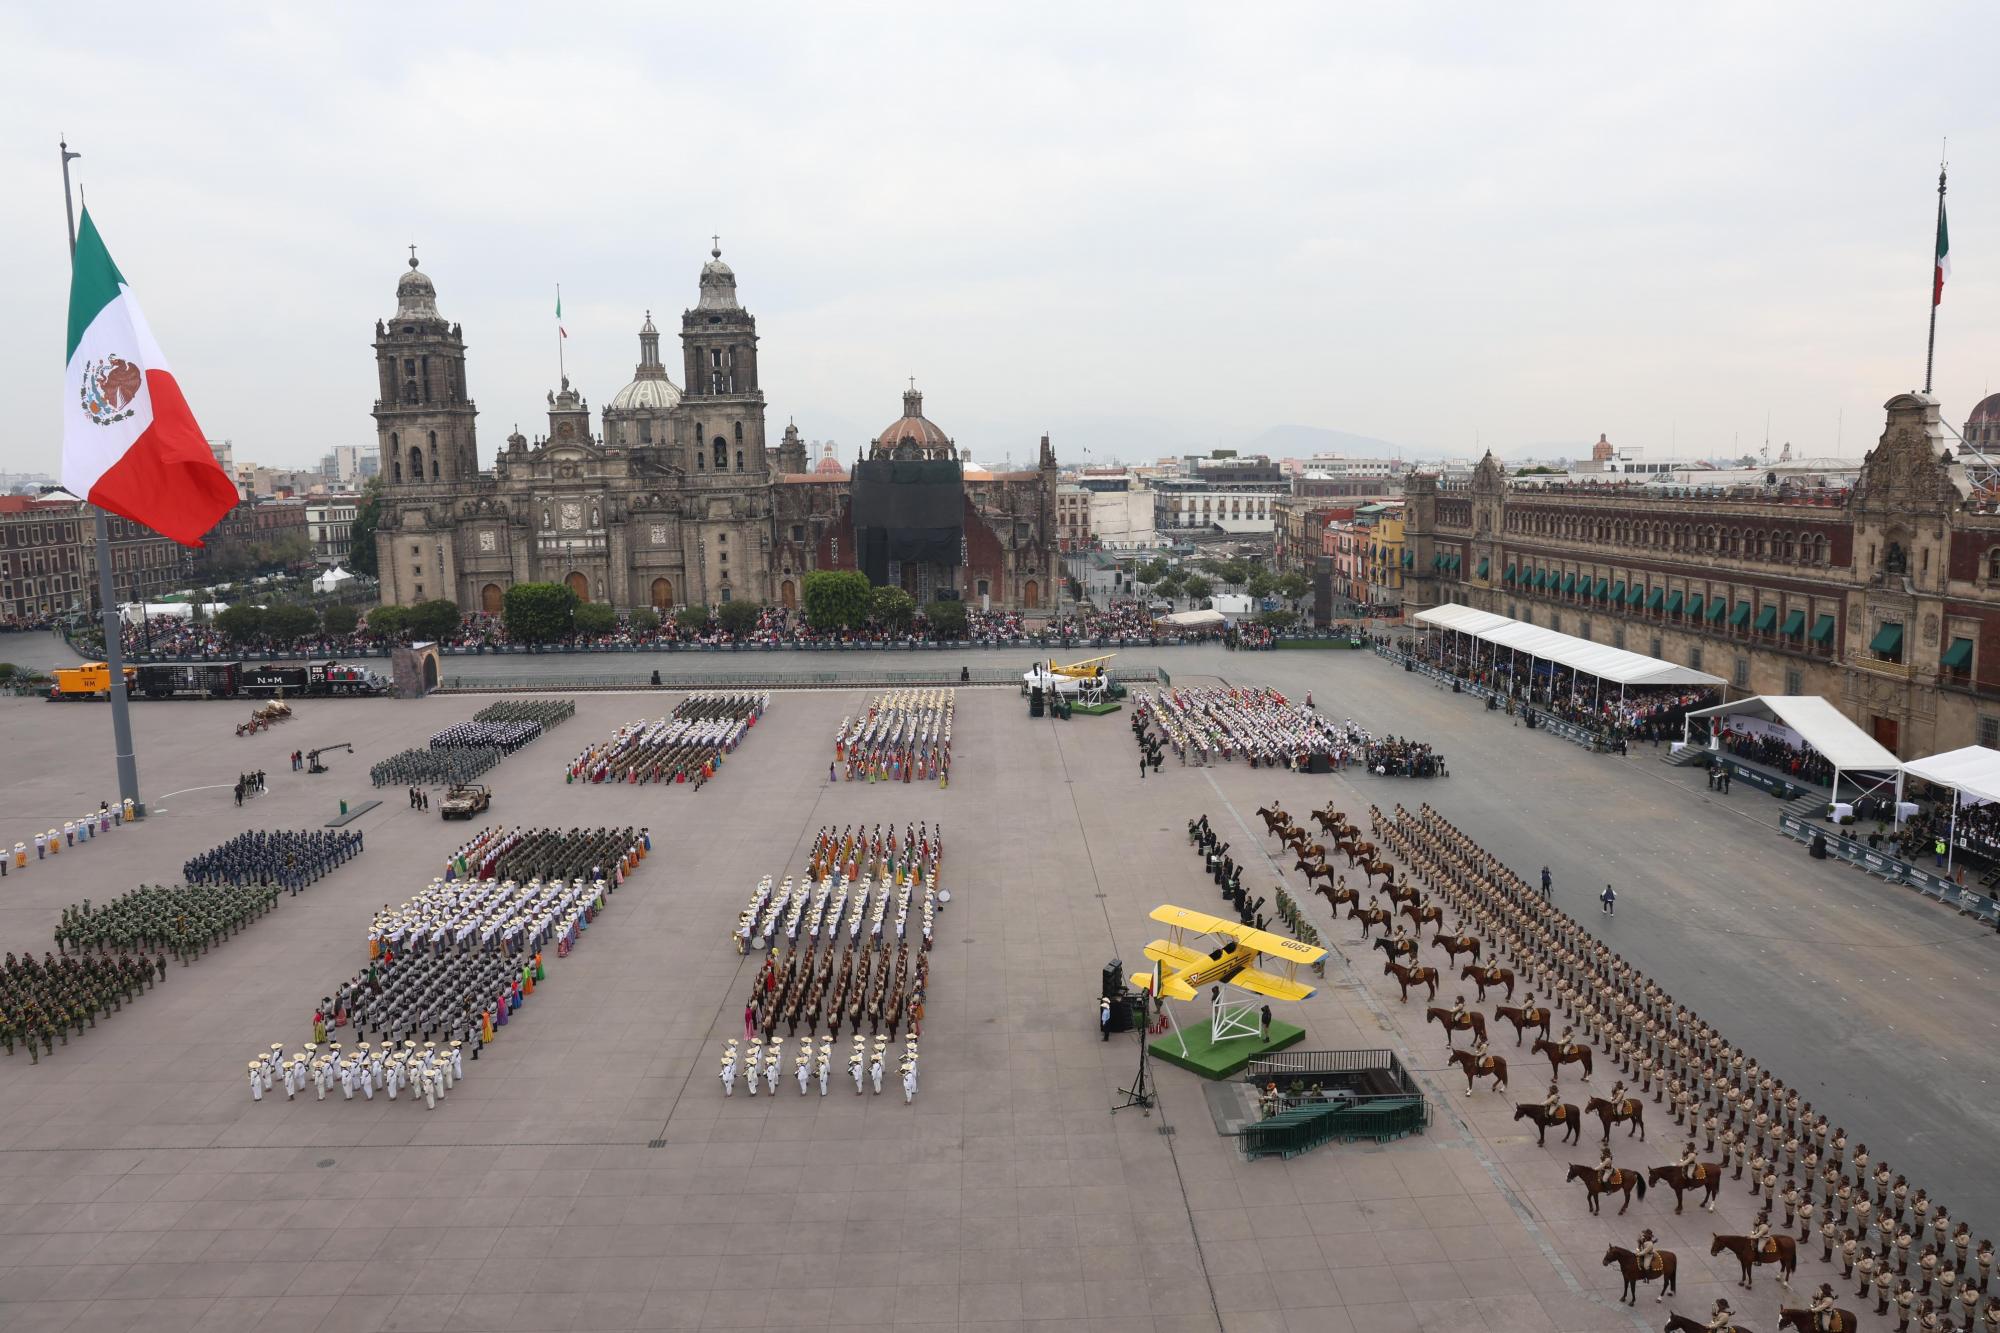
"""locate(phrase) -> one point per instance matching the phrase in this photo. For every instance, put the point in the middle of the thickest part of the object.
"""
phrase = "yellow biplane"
(1084, 681)
(1233, 960)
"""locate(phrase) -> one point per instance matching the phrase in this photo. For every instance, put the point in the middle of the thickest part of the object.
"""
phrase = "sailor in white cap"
(729, 1068)
(803, 1068)
(824, 1065)
(854, 1057)
(772, 1056)
(753, 1060)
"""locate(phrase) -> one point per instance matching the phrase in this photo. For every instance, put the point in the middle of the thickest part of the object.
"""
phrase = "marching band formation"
(905, 736)
(686, 746)
(1212, 723)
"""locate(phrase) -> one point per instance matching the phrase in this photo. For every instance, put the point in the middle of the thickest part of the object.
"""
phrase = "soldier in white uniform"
(909, 1080)
(458, 1059)
(772, 1056)
(256, 1080)
(804, 1071)
(854, 1064)
(825, 1064)
(347, 1079)
(729, 1068)
(875, 1064)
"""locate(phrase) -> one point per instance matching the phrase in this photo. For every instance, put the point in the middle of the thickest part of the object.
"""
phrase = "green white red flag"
(130, 442)
(1942, 268)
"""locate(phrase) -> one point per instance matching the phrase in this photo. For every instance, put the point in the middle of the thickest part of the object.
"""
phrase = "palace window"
(1993, 565)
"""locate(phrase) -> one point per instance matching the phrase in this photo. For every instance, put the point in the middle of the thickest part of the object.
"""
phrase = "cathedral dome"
(647, 395)
(1988, 409)
(1601, 451)
(416, 298)
(718, 283)
(914, 428)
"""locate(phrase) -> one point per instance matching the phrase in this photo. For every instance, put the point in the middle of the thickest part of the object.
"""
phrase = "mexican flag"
(1942, 268)
(559, 324)
(130, 444)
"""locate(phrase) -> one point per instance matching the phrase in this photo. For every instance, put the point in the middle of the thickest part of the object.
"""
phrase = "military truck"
(466, 799)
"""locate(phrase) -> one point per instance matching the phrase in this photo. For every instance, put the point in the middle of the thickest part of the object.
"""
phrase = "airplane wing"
(1276, 988)
(1280, 947)
(1199, 922)
(1174, 961)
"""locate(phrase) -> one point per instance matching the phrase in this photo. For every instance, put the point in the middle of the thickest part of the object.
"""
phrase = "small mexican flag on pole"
(1942, 268)
(130, 442)
(559, 324)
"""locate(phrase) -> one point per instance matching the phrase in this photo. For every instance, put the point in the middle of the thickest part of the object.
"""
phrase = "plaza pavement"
(140, 1187)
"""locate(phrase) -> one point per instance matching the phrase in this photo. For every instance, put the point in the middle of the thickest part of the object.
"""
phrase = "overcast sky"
(1143, 229)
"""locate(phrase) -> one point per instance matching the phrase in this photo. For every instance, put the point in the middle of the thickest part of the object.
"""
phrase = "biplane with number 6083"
(1202, 950)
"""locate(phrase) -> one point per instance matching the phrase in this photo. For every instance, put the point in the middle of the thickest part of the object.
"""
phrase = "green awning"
(1959, 656)
(1767, 618)
(1888, 640)
(1484, 564)
(1437, 562)
(1718, 608)
(1635, 594)
(1508, 577)
(1674, 600)
(1599, 591)
(1656, 599)
(1409, 559)
(1822, 630)
(1795, 624)
(1569, 583)
(1694, 606)
(1618, 591)
(1453, 562)
(1741, 616)
(1541, 578)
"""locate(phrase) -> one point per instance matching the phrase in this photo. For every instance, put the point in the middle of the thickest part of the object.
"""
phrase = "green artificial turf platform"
(1224, 1060)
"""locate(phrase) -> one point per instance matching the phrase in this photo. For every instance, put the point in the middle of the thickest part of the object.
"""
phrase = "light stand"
(1140, 1094)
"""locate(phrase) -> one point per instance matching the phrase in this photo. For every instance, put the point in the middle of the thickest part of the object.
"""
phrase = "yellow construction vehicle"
(92, 680)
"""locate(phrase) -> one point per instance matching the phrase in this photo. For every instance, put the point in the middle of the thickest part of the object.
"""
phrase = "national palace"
(1883, 598)
(677, 499)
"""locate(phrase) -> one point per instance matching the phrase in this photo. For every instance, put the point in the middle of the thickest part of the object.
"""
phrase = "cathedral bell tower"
(722, 410)
(423, 415)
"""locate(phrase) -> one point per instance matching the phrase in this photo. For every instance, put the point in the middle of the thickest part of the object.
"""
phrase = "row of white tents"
(333, 580)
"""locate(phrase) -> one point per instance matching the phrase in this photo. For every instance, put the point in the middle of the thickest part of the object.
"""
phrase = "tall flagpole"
(1930, 347)
(107, 598)
(561, 369)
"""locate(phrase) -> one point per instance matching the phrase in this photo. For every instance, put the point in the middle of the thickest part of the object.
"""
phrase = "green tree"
(434, 619)
(645, 620)
(836, 598)
(947, 619)
(1196, 587)
(389, 621)
(288, 624)
(241, 623)
(367, 517)
(1261, 584)
(1294, 586)
(693, 619)
(339, 618)
(594, 619)
(892, 608)
(1235, 573)
(1169, 585)
(1279, 620)
(538, 612)
(1154, 570)
(739, 618)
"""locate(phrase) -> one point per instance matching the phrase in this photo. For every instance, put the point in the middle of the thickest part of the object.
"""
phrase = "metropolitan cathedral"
(677, 499)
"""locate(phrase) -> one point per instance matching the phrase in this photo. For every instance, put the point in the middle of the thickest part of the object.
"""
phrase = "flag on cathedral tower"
(1942, 268)
(560, 330)
(130, 442)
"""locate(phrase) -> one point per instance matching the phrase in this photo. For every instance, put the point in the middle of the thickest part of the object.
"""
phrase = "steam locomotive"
(219, 680)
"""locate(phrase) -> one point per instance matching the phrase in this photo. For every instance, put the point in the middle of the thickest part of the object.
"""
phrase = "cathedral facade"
(678, 499)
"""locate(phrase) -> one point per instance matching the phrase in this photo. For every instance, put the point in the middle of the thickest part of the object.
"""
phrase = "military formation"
(548, 714)
(182, 920)
(506, 737)
(54, 840)
(762, 1063)
(287, 858)
(1740, 1121)
(685, 747)
(1212, 724)
(428, 1072)
(905, 736)
(439, 766)
(453, 965)
(43, 1003)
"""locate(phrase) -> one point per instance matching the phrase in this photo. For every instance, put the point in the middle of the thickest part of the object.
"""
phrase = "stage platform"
(1097, 710)
(1224, 1060)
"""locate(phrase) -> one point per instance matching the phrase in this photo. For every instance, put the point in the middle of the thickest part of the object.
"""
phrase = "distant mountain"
(1292, 441)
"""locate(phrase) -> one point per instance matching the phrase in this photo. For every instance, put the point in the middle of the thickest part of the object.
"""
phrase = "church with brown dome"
(676, 498)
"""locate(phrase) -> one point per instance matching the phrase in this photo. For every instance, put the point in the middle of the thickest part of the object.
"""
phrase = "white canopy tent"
(132, 612)
(1195, 619)
(1582, 656)
(1972, 773)
(332, 580)
(1817, 723)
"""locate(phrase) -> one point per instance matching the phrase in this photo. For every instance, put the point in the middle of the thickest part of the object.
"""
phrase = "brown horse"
(1335, 898)
(1558, 1057)
(1369, 917)
(1304, 847)
(1274, 817)
(1332, 822)
(1370, 869)
(1473, 1067)
(1523, 1019)
(1672, 1178)
(1410, 976)
(1666, 1270)
(1491, 975)
(1423, 914)
(1393, 948)
(1538, 1115)
(1473, 1022)
(1320, 870)
(1357, 851)
(1625, 1108)
(1401, 893)
(1623, 1180)
(1457, 944)
(1802, 1320)
(1780, 1250)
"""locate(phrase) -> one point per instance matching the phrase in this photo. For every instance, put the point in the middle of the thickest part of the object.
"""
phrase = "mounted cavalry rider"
(1606, 1172)
(1567, 1043)
(1553, 1107)
(1723, 1319)
(1649, 1252)
(1459, 1016)
(1690, 1167)
(1822, 1308)
(1760, 1235)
